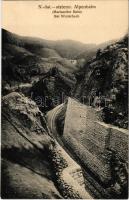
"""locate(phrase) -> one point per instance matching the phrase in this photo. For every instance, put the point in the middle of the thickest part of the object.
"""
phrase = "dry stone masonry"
(100, 147)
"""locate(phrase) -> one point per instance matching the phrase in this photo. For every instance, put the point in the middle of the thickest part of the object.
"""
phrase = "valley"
(59, 137)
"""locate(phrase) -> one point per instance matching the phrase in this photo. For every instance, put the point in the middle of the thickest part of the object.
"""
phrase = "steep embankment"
(26, 169)
(105, 80)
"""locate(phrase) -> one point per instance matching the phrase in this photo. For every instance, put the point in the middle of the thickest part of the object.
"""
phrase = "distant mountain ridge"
(65, 48)
(24, 58)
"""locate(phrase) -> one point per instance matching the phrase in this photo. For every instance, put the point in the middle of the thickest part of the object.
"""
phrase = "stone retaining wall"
(94, 142)
(63, 169)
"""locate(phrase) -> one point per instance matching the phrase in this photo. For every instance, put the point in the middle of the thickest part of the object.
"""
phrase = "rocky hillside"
(87, 55)
(50, 73)
(26, 57)
(27, 60)
(52, 89)
(104, 82)
(34, 165)
(26, 170)
(28, 63)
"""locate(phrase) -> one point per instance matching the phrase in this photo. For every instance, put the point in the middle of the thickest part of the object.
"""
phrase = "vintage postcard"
(64, 99)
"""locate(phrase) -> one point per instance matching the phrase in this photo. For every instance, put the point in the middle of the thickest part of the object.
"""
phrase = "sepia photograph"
(64, 99)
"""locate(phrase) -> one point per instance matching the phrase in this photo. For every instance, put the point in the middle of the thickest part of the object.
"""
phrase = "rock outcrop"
(105, 82)
(52, 89)
(26, 171)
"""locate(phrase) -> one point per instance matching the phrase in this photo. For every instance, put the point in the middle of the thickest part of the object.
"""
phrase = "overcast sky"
(108, 21)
